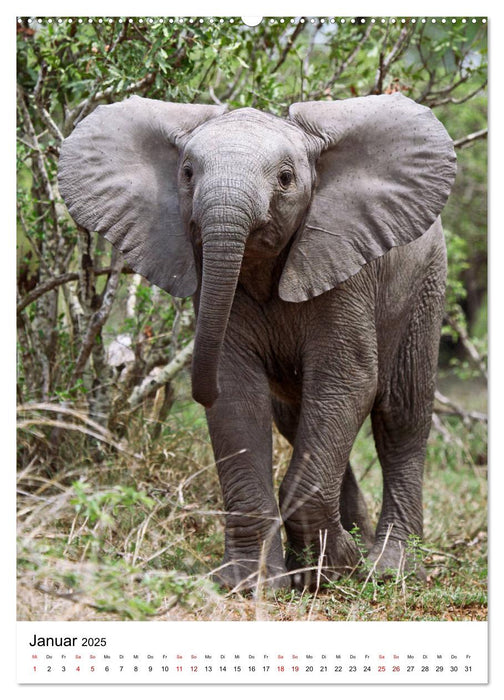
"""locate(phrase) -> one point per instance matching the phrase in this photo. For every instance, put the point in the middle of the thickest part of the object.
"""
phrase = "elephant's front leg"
(310, 495)
(241, 434)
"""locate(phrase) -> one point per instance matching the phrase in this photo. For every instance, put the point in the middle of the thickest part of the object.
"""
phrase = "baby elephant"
(313, 250)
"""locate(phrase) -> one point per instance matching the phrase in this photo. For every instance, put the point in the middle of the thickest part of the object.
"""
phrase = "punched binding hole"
(251, 21)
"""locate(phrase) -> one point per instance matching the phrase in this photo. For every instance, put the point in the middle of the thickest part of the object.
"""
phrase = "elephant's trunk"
(222, 258)
(225, 210)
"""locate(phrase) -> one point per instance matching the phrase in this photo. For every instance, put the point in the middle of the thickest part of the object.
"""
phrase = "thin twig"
(44, 114)
(385, 62)
(45, 287)
(375, 563)
(457, 410)
(288, 46)
(470, 138)
(97, 320)
(346, 63)
(472, 352)
(37, 151)
(455, 101)
(63, 425)
(320, 564)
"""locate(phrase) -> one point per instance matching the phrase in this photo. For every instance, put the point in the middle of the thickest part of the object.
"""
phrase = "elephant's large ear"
(118, 176)
(384, 174)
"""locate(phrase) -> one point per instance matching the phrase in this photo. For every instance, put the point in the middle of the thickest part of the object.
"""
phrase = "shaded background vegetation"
(119, 507)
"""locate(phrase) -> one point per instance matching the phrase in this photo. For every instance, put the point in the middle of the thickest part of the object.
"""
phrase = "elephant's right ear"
(118, 176)
(384, 173)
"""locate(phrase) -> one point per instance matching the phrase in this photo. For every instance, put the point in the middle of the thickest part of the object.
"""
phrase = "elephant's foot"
(318, 561)
(242, 573)
(391, 558)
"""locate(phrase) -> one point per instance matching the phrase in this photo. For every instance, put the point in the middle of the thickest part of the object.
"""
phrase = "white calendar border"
(309, 653)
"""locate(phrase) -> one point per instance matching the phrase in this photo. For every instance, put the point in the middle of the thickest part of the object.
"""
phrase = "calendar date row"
(260, 669)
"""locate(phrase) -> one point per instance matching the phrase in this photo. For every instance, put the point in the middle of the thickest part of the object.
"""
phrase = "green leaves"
(103, 506)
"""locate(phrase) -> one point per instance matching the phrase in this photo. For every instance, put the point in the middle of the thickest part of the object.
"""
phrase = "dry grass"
(135, 532)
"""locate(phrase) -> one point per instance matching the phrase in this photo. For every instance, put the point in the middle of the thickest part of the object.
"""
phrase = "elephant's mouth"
(265, 241)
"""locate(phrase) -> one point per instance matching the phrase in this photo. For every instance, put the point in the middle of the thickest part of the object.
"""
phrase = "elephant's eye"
(285, 178)
(187, 171)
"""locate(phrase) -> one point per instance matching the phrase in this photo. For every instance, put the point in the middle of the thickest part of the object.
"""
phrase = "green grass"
(137, 536)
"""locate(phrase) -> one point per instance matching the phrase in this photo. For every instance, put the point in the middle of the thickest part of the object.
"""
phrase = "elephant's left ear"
(118, 176)
(384, 174)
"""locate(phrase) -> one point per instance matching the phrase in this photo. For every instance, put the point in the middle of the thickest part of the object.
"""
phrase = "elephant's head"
(342, 181)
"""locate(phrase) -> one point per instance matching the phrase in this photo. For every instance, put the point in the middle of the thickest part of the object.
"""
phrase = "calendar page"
(252, 349)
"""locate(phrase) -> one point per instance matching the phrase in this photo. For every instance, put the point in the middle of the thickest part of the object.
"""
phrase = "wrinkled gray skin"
(314, 253)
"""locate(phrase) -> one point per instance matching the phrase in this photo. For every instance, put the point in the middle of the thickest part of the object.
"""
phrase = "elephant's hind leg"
(353, 510)
(401, 420)
(401, 449)
(286, 417)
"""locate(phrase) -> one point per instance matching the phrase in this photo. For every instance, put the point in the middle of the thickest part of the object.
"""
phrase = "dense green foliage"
(80, 403)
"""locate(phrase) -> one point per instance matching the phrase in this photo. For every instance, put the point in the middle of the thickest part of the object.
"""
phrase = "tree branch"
(455, 410)
(470, 138)
(385, 63)
(37, 151)
(453, 100)
(474, 355)
(351, 57)
(120, 38)
(151, 384)
(78, 113)
(342, 67)
(42, 289)
(288, 46)
(81, 110)
(97, 321)
(44, 114)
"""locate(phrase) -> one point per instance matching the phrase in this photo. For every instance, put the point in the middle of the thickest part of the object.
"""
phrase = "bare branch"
(470, 138)
(214, 97)
(204, 80)
(120, 38)
(44, 114)
(455, 410)
(151, 384)
(232, 87)
(97, 320)
(473, 353)
(428, 87)
(141, 36)
(288, 46)
(42, 289)
(351, 57)
(85, 107)
(48, 189)
(385, 62)
(455, 101)
(37, 151)
(449, 88)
